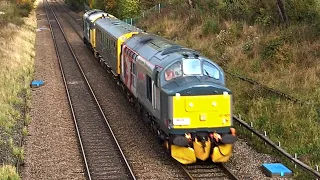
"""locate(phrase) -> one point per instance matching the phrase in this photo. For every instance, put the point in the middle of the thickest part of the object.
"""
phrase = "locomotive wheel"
(96, 55)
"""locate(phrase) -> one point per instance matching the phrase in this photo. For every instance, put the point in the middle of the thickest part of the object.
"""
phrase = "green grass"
(283, 58)
(17, 36)
(8, 173)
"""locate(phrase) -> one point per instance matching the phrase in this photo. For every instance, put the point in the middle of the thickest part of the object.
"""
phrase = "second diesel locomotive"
(179, 93)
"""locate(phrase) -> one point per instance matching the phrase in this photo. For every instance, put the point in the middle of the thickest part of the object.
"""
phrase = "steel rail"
(227, 170)
(74, 19)
(93, 95)
(218, 171)
(273, 145)
(253, 82)
(267, 140)
(67, 92)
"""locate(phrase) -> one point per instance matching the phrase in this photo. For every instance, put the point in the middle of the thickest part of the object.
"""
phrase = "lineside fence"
(155, 9)
(276, 148)
(262, 136)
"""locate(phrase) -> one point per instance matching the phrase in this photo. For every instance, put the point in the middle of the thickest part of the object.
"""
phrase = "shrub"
(270, 48)
(210, 26)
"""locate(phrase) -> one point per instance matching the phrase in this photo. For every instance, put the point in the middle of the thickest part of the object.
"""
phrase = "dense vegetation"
(276, 43)
(119, 8)
(16, 64)
(256, 39)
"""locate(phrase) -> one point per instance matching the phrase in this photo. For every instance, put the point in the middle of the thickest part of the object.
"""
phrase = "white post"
(295, 156)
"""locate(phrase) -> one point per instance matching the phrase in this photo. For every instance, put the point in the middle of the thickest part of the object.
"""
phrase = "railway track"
(73, 19)
(102, 155)
(196, 171)
(208, 170)
(193, 172)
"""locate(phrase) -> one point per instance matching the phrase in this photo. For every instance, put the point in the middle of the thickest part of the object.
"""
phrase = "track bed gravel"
(148, 158)
(51, 149)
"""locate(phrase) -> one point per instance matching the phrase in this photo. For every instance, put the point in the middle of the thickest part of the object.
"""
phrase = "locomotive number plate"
(181, 121)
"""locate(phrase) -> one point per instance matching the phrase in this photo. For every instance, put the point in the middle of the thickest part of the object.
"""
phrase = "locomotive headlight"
(214, 104)
(191, 104)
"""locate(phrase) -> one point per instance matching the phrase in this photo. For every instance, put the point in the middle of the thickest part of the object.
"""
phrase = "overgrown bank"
(17, 37)
(250, 39)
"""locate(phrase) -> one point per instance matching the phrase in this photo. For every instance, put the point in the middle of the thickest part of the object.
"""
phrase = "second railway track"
(196, 171)
(102, 154)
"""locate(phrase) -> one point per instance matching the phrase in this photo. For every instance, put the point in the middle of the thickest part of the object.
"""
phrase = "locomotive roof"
(94, 14)
(157, 50)
(115, 27)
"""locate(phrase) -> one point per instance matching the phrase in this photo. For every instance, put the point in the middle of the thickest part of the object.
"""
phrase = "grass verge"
(16, 71)
(284, 58)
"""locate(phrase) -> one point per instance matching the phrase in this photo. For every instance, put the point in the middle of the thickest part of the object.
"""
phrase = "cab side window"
(174, 71)
(210, 70)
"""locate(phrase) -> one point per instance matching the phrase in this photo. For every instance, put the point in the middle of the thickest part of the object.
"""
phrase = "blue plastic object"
(276, 169)
(37, 83)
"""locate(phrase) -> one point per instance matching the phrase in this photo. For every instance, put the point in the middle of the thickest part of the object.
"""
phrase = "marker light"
(203, 117)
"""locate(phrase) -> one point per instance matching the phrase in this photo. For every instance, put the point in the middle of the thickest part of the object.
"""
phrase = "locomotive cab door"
(156, 94)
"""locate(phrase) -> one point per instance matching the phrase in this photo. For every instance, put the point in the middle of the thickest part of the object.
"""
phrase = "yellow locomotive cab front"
(208, 113)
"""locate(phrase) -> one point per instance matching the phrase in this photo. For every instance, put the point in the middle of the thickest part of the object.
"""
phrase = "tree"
(128, 8)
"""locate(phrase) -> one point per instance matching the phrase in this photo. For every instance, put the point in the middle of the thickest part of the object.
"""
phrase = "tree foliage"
(128, 8)
(147, 4)
(264, 12)
(112, 6)
(77, 4)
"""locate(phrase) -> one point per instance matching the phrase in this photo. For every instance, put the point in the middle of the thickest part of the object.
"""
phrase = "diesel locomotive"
(178, 92)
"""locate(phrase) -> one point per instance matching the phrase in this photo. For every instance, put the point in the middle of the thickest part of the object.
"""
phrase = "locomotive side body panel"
(89, 19)
(148, 68)
(111, 33)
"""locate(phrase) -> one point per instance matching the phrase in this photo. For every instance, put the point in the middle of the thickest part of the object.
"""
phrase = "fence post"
(295, 156)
